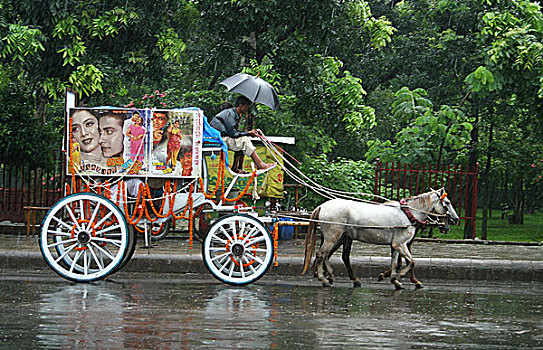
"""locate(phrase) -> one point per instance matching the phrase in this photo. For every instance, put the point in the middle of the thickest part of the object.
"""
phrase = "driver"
(227, 123)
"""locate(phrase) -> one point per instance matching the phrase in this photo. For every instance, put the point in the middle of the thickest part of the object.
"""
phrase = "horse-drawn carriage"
(130, 169)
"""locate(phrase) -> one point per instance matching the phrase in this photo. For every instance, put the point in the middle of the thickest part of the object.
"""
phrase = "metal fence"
(400, 180)
(21, 185)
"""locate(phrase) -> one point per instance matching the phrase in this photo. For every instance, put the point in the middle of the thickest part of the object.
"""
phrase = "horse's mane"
(424, 199)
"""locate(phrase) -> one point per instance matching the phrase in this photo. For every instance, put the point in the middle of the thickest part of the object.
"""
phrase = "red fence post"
(377, 176)
(474, 201)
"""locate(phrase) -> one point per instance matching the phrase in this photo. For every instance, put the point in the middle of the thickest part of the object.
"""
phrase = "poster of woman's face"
(98, 135)
(86, 132)
(128, 141)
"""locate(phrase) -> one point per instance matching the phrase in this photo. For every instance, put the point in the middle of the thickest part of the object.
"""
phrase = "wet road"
(138, 311)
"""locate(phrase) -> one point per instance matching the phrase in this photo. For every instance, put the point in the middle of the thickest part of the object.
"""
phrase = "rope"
(319, 189)
(326, 192)
(430, 223)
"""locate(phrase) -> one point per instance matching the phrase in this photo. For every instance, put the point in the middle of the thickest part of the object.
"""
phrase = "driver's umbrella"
(254, 88)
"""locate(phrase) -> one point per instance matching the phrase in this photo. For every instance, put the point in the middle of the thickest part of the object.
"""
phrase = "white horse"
(391, 223)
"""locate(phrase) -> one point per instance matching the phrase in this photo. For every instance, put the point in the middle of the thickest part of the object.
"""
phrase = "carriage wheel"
(132, 240)
(238, 249)
(85, 237)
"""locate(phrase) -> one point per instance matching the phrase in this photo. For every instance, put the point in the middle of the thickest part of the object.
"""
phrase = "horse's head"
(443, 206)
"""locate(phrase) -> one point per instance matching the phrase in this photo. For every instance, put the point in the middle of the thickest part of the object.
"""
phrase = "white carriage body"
(87, 236)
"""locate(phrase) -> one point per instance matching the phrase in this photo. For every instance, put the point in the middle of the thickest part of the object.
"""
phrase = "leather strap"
(410, 216)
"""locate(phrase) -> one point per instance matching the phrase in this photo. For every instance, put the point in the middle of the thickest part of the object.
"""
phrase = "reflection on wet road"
(144, 311)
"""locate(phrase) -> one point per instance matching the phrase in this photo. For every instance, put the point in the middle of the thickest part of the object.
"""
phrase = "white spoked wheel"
(84, 237)
(238, 249)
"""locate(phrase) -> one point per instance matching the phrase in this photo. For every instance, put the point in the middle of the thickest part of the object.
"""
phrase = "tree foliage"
(430, 129)
(423, 81)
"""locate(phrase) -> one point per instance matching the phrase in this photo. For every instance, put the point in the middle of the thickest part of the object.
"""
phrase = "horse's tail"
(311, 238)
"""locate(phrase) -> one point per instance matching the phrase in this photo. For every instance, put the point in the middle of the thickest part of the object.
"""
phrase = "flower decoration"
(157, 99)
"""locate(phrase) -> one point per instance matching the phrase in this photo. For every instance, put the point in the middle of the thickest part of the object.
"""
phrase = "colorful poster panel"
(176, 143)
(132, 142)
(108, 141)
(270, 185)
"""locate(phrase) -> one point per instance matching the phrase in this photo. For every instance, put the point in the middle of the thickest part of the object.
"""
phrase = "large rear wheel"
(238, 249)
(85, 237)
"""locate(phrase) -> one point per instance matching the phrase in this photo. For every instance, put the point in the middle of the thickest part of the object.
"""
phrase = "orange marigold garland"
(144, 196)
(275, 242)
(242, 192)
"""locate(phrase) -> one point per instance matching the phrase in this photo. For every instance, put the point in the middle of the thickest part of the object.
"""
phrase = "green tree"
(512, 76)
(299, 39)
(445, 129)
(109, 52)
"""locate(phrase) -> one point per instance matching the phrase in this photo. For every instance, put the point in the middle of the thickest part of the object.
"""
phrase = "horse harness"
(405, 208)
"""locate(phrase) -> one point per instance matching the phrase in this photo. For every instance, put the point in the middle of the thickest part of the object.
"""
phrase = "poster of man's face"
(132, 142)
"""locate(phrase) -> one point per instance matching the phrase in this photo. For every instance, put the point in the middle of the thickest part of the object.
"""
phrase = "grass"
(501, 230)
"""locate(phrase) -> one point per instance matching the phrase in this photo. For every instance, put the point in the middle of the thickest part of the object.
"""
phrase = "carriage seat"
(213, 145)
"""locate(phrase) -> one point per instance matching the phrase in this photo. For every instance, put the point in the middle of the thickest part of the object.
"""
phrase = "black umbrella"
(254, 88)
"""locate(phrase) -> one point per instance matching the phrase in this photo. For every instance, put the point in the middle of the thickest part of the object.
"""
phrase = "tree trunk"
(41, 106)
(469, 226)
(486, 186)
(504, 202)
(518, 205)
(214, 80)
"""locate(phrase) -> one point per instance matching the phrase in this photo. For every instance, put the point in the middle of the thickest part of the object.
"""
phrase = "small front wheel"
(85, 237)
(238, 249)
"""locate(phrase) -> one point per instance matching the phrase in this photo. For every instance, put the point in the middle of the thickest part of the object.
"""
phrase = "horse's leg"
(408, 258)
(321, 256)
(393, 273)
(314, 267)
(386, 273)
(331, 236)
(418, 284)
(345, 256)
(328, 272)
(412, 277)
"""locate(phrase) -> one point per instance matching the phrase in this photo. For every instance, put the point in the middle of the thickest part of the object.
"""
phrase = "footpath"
(434, 259)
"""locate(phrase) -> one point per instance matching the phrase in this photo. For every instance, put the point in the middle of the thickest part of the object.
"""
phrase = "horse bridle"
(423, 223)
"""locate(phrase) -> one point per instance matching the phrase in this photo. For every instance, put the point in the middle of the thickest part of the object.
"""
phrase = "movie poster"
(134, 142)
(176, 142)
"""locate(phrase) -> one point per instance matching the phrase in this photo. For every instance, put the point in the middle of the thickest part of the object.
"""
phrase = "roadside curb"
(364, 267)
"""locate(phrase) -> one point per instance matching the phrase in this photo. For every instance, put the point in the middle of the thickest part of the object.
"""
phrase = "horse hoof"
(419, 286)
(357, 284)
(326, 284)
(396, 283)
(381, 277)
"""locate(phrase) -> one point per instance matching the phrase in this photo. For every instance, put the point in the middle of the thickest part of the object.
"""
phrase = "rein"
(428, 223)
